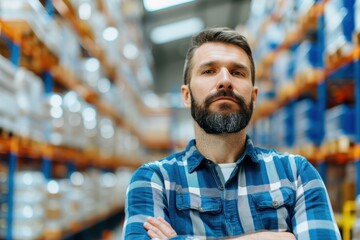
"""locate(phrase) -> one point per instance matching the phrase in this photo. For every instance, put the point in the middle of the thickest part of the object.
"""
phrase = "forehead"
(220, 53)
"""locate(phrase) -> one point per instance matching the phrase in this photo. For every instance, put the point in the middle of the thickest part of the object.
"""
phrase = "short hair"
(222, 35)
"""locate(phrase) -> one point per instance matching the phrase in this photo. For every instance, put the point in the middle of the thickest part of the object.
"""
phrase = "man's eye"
(238, 73)
(208, 71)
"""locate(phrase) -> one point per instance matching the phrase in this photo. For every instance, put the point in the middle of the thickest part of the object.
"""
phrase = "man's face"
(220, 93)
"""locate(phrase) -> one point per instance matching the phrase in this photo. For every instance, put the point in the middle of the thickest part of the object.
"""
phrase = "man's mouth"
(224, 98)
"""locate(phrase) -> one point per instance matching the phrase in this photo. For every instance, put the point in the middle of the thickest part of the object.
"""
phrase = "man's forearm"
(266, 235)
(159, 228)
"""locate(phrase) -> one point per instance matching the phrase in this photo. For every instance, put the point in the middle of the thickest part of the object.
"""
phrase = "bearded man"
(221, 185)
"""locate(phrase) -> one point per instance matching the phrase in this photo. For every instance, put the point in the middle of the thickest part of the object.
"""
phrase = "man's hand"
(159, 228)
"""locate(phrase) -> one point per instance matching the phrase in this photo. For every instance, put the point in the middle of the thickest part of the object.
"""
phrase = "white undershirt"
(226, 169)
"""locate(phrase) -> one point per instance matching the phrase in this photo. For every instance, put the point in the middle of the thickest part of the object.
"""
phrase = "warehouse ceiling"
(169, 57)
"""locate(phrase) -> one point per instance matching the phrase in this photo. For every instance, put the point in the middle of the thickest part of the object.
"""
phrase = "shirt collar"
(194, 157)
(250, 151)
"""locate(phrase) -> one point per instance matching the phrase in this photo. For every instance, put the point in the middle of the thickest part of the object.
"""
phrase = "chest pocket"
(200, 213)
(274, 208)
(202, 204)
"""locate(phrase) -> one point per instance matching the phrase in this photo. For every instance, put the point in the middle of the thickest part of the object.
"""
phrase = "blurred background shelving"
(89, 93)
(308, 65)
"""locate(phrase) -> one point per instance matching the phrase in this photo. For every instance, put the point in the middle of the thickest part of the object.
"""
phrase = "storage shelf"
(87, 40)
(78, 226)
(67, 79)
(295, 89)
(312, 95)
(31, 149)
(4, 144)
(38, 56)
(306, 24)
(86, 36)
(113, 144)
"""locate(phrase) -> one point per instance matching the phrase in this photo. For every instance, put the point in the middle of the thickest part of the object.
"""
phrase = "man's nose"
(224, 82)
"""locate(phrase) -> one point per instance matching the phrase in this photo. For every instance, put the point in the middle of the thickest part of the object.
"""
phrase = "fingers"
(165, 222)
(153, 232)
(159, 228)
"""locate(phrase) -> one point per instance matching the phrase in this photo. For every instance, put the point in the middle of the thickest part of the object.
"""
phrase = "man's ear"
(186, 97)
(254, 95)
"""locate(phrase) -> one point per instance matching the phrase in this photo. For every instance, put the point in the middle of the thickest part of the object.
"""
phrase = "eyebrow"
(233, 65)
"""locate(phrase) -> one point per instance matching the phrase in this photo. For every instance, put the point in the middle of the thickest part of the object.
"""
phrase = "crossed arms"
(158, 228)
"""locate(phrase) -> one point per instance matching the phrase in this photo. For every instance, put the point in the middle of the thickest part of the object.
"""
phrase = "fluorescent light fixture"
(155, 5)
(176, 30)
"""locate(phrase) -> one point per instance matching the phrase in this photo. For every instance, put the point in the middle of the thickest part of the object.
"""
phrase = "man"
(221, 185)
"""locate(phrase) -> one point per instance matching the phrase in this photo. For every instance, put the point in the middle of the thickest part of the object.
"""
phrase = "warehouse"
(90, 90)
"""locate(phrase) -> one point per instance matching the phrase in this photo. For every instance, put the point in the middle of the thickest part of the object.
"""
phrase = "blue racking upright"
(46, 157)
(11, 188)
(357, 116)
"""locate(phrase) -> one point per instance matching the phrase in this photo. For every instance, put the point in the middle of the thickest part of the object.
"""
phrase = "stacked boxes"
(28, 206)
(30, 101)
(340, 121)
(305, 128)
(22, 108)
(8, 107)
(51, 209)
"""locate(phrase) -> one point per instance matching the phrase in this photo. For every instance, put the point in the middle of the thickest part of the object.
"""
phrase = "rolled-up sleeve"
(313, 216)
(145, 197)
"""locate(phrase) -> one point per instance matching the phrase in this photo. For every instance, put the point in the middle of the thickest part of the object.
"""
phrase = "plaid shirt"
(267, 190)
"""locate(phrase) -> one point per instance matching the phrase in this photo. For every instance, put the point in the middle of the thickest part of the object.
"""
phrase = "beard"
(218, 122)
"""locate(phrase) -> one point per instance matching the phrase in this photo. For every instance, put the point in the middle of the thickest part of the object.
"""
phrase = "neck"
(220, 148)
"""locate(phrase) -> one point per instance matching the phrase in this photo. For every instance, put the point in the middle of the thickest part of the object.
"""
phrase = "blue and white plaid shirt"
(267, 190)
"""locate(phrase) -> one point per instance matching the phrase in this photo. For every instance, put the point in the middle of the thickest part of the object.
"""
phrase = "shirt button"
(200, 209)
(209, 162)
(221, 187)
(275, 203)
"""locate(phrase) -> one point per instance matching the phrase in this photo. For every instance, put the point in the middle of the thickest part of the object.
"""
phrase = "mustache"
(224, 93)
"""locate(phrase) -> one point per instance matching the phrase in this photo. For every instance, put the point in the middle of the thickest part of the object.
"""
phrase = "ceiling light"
(110, 34)
(130, 51)
(56, 112)
(89, 114)
(104, 85)
(84, 11)
(176, 30)
(155, 5)
(92, 64)
(56, 100)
